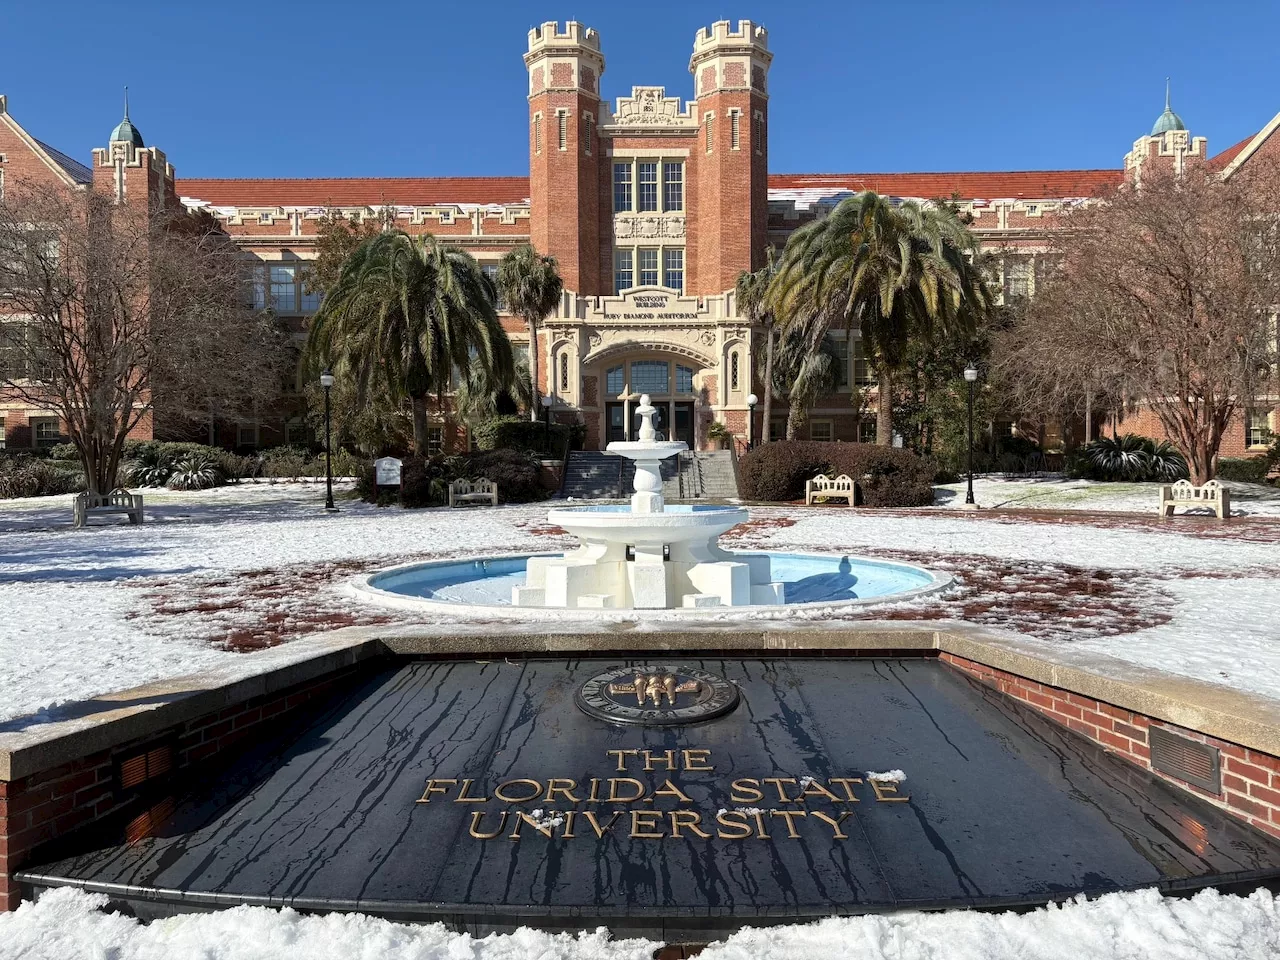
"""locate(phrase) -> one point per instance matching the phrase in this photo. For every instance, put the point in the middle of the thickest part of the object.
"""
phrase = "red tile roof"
(420, 191)
(1029, 184)
(1223, 159)
(405, 191)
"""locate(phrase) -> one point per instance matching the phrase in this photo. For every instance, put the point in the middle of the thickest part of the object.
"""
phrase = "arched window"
(733, 371)
(564, 371)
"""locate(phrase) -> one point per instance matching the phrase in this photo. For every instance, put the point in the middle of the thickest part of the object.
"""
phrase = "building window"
(673, 186)
(759, 132)
(710, 120)
(435, 441)
(647, 185)
(1017, 278)
(842, 363)
(621, 187)
(490, 270)
(587, 123)
(650, 376)
(247, 434)
(734, 371)
(735, 130)
(777, 428)
(2, 434)
(562, 129)
(309, 300)
(684, 379)
(866, 431)
(298, 434)
(648, 267)
(821, 431)
(1257, 428)
(289, 294)
(537, 133)
(623, 270)
(46, 432)
(863, 375)
(673, 269)
(564, 372)
(614, 381)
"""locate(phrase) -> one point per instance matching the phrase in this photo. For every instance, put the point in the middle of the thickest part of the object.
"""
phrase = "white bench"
(473, 491)
(118, 500)
(824, 487)
(1185, 494)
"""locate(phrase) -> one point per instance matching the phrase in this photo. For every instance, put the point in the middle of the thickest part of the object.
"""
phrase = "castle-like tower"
(729, 233)
(1169, 146)
(130, 171)
(564, 152)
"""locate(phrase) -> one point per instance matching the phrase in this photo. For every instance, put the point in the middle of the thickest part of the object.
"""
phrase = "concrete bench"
(823, 487)
(1185, 494)
(118, 500)
(473, 491)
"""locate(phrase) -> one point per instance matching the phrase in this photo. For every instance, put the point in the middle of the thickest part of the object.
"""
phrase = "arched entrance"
(673, 383)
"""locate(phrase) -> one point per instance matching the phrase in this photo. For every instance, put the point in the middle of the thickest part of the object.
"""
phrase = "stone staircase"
(596, 475)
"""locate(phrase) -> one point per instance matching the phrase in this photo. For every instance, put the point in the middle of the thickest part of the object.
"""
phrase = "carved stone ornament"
(652, 107)
(647, 225)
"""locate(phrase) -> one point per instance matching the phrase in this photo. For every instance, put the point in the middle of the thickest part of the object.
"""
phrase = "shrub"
(424, 482)
(196, 471)
(1129, 458)
(520, 433)
(886, 476)
(1243, 469)
(25, 476)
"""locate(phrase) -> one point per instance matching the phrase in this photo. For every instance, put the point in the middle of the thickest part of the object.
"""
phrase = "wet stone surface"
(479, 793)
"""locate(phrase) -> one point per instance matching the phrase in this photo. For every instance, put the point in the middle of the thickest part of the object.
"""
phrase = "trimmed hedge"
(520, 433)
(886, 476)
(1243, 469)
(424, 481)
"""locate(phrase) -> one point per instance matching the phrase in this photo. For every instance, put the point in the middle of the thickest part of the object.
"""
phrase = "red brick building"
(652, 205)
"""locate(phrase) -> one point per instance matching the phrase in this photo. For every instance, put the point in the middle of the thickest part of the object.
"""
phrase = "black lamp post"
(546, 422)
(326, 381)
(971, 375)
(752, 400)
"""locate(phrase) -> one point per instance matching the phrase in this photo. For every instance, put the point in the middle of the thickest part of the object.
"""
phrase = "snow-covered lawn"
(1058, 493)
(212, 575)
(67, 923)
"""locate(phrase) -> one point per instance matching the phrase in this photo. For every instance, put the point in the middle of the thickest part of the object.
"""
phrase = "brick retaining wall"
(1250, 778)
(45, 806)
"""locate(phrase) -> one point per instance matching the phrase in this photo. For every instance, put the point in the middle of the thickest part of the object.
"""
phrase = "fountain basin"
(676, 523)
(480, 588)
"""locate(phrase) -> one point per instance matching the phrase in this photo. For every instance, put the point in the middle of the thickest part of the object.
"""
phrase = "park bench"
(1185, 494)
(473, 491)
(118, 500)
(829, 488)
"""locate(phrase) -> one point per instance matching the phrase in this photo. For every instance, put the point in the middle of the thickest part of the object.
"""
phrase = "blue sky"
(425, 88)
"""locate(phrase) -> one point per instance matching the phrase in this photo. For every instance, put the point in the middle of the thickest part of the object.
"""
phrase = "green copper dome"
(126, 131)
(1168, 120)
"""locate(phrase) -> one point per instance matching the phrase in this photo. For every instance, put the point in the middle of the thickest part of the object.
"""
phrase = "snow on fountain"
(650, 556)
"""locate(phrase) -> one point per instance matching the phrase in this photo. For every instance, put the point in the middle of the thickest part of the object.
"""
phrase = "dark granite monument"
(672, 798)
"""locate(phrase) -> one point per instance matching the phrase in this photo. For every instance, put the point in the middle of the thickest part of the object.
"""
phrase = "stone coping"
(113, 719)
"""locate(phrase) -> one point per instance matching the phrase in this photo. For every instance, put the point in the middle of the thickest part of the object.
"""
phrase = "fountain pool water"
(483, 586)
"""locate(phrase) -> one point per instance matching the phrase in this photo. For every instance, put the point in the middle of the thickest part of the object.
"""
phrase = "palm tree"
(405, 313)
(531, 286)
(895, 271)
(804, 370)
(480, 397)
(752, 291)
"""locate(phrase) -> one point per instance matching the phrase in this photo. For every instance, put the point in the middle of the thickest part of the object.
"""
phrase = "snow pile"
(68, 923)
(887, 776)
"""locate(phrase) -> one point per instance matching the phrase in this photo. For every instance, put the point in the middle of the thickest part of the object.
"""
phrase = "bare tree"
(110, 315)
(1162, 296)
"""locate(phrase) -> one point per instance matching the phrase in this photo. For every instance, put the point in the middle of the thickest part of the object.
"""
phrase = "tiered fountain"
(649, 556)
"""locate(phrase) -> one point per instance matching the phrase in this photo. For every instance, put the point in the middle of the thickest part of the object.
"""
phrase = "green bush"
(424, 482)
(886, 476)
(195, 471)
(1243, 469)
(1128, 458)
(26, 476)
(520, 433)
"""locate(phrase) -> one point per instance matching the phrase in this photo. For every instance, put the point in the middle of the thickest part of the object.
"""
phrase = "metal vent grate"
(1188, 760)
